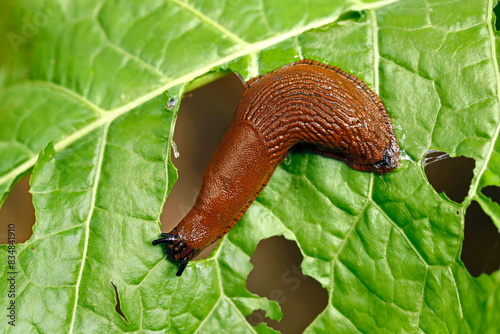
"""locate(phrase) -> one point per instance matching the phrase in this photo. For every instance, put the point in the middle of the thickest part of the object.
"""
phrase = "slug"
(333, 113)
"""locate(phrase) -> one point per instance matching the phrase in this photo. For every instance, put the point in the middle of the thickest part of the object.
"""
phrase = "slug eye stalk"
(166, 238)
(174, 248)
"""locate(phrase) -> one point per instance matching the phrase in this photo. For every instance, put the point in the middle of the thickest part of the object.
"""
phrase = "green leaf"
(88, 85)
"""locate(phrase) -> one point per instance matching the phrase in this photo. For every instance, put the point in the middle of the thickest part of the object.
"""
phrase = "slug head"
(176, 249)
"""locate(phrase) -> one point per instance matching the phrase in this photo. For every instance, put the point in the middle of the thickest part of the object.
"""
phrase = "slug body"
(334, 113)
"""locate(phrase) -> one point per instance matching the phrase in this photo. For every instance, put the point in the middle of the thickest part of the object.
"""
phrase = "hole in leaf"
(451, 175)
(118, 309)
(205, 115)
(18, 209)
(496, 10)
(277, 275)
(492, 192)
(481, 246)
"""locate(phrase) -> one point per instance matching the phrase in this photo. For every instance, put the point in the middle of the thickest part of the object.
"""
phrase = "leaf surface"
(89, 89)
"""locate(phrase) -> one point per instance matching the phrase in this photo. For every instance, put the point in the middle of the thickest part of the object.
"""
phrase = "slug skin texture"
(329, 111)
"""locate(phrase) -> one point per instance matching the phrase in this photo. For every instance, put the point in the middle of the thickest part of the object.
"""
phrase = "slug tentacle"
(334, 113)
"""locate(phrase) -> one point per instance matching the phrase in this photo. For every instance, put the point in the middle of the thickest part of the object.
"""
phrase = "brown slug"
(334, 113)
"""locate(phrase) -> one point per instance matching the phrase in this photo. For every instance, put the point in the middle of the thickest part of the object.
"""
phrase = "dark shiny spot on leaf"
(118, 308)
(277, 275)
(451, 175)
(481, 246)
(171, 103)
(350, 16)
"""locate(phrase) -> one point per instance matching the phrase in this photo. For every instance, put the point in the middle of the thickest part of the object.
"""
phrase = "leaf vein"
(489, 22)
(87, 222)
(209, 21)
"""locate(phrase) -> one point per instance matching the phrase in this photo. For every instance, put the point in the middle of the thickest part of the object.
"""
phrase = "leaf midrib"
(475, 183)
(87, 222)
